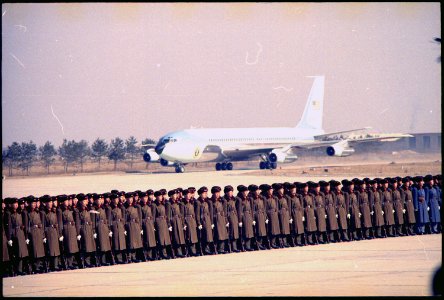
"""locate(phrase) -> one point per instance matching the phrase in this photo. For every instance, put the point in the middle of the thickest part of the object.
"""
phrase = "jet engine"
(151, 156)
(277, 156)
(340, 149)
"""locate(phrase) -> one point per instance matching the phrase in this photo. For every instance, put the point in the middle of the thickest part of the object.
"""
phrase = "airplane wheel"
(273, 165)
(224, 166)
(267, 165)
(180, 169)
(218, 167)
(262, 165)
(229, 166)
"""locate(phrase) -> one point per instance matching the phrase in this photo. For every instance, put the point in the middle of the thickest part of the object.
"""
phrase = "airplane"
(272, 145)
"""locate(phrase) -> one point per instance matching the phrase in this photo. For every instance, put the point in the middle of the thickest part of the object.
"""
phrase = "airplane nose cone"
(159, 149)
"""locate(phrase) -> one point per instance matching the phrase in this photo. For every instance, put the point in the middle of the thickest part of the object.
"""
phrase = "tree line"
(25, 155)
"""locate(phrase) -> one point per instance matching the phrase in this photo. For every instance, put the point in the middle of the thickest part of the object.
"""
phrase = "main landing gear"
(224, 166)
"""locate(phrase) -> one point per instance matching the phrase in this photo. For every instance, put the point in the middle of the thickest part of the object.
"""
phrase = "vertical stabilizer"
(313, 112)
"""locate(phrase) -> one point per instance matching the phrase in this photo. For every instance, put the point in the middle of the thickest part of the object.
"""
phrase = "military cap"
(286, 185)
(228, 188)
(371, 181)
(261, 187)
(276, 186)
(157, 193)
(354, 179)
(81, 197)
(314, 185)
(438, 176)
(45, 198)
(383, 181)
(11, 200)
(114, 196)
(366, 179)
(215, 189)
(163, 191)
(143, 194)
(54, 198)
(398, 178)
(137, 192)
(89, 195)
(242, 188)
(335, 183)
(186, 191)
(346, 182)
(95, 196)
(291, 186)
(323, 183)
(253, 187)
(106, 195)
(150, 192)
(405, 179)
(114, 191)
(179, 190)
(428, 178)
(172, 192)
(296, 183)
(21, 200)
(121, 193)
(310, 183)
(31, 198)
(129, 195)
(202, 190)
(302, 185)
(192, 189)
(266, 187)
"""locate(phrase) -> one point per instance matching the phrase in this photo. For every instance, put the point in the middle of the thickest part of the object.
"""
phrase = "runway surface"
(401, 266)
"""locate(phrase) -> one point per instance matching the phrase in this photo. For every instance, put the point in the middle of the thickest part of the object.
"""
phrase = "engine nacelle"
(166, 163)
(277, 156)
(340, 149)
(151, 156)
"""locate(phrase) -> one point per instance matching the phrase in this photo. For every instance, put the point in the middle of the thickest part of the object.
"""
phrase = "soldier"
(6, 261)
(321, 214)
(272, 220)
(283, 214)
(232, 216)
(376, 207)
(331, 210)
(407, 199)
(364, 207)
(387, 206)
(205, 222)
(51, 228)
(420, 204)
(133, 217)
(177, 222)
(67, 231)
(259, 215)
(117, 226)
(86, 232)
(432, 200)
(342, 211)
(296, 215)
(309, 210)
(398, 205)
(36, 235)
(190, 223)
(102, 230)
(220, 220)
(161, 226)
(149, 232)
(17, 236)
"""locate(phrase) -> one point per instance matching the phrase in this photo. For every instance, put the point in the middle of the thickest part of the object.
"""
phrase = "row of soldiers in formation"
(80, 231)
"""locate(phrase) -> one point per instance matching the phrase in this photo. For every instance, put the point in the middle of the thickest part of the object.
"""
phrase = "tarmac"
(401, 266)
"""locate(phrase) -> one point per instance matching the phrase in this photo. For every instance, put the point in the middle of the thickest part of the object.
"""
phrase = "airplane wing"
(333, 134)
(147, 145)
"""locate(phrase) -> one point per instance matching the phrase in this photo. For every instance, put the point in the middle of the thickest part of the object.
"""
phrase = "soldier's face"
(375, 186)
(339, 187)
(327, 188)
(305, 189)
(66, 202)
(49, 204)
(395, 185)
(130, 200)
(15, 205)
(281, 191)
(204, 195)
(70, 202)
(293, 191)
(97, 202)
(385, 185)
(174, 197)
(230, 194)
(363, 186)
(159, 198)
(75, 201)
(407, 184)
(217, 194)
(145, 199)
(270, 192)
(245, 193)
(116, 201)
(317, 189)
(85, 202)
(33, 205)
(151, 197)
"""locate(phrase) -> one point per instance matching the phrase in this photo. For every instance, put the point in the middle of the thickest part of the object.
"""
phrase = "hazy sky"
(82, 71)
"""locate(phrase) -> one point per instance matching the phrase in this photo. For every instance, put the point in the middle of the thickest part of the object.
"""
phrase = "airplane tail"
(313, 112)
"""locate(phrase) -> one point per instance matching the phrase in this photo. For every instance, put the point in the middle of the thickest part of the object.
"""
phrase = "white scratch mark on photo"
(18, 60)
(52, 110)
(4, 12)
(257, 55)
(283, 88)
(384, 111)
(22, 27)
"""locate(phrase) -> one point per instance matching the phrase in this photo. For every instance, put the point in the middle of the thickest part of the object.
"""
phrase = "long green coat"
(232, 216)
(102, 229)
(5, 256)
(189, 214)
(387, 206)
(407, 198)
(310, 218)
(51, 227)
(364, 206)
(320, 212)
(331, 210)
(284, 214)
(117, 222)
(161, 222)
(87, 241)
(260, 216)
(355, 220)
(68, 229)
(342, 206)
(34, 229)
(376, 204)
(177, 222)
(206, 215)
(296, 213)
(398, 205)
(245, 213)
(219, 220)
(15, 231)
(133, 227)
(149, 235)
(271, 207)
